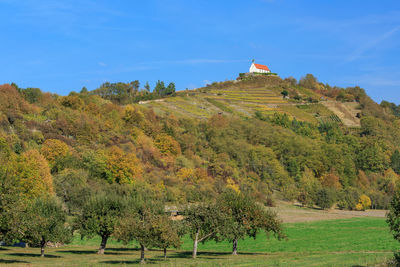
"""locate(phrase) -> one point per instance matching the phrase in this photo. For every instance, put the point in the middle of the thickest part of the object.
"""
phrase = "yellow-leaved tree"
(54, 150)
(124, 167)
(34, 174)
(363, 203)
(168, 145)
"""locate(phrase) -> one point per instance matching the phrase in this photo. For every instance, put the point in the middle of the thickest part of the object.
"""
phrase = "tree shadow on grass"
(251, 253)
(2, 248)
(188, 254)
(148, 261)
(78, 251)
(108, 251)
(32, 255)
(122, 249)
(209, 255)
(2, 261)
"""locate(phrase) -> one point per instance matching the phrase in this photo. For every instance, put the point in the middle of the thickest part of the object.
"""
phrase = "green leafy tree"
(393, 216)
(203, 222)
(147, 87)
(393, 220)
(159, 89)
(170, 89)
(149, 230)
(99, 217)
(71, 186)
(169, 233)
(325, 198)
(146, 223)
(84, 90)
(244, 217)
(44, 221)
(395, 161)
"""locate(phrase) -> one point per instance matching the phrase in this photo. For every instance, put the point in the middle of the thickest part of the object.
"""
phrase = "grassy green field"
(344, 242)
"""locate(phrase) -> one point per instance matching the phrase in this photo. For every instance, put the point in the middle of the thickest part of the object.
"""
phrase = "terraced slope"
(244, 101)
(347, 112)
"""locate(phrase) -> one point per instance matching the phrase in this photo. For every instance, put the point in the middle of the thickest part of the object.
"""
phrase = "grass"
(345, 242)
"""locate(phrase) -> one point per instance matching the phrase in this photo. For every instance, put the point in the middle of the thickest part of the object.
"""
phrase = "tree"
(55, 151)
(34, 176)
(167, 145)
(11, 201)
(146, 223)
(309, 81)
(170, 89)
(159, 89)
(284, 93)
(244, 217)
(71, 186)
(147, 87)
(363, 203)
(123, 167)
(393, 219)
(169, 233)
(84, 90)
(135, 86)
(395, 161)
(44, 221)
(203, 222)
(149, 230)
(99, 216)
(32, 95)
(325, 198)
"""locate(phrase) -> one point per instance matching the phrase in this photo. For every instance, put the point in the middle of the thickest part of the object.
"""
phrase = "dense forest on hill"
(78, 145)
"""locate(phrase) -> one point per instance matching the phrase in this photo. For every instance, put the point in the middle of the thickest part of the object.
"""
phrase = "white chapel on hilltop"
(258, 68)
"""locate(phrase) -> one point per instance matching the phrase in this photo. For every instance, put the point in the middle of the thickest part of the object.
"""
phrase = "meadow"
(360, 241)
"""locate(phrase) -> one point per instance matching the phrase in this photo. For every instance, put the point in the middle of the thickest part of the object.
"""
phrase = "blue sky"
(60, 46)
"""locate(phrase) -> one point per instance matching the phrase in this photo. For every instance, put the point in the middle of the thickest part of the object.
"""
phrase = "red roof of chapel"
(261, 67)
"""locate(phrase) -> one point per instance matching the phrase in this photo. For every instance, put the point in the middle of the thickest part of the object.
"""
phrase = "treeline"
(128, 93)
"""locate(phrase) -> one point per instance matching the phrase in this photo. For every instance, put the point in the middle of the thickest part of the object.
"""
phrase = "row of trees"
(135, 214)
(125, 93)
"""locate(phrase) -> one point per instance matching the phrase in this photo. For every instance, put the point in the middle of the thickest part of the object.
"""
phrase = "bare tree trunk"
(165, 253)
(234, 247)
(102, 245)
(196, 240)
(42, 245)
(142, 261)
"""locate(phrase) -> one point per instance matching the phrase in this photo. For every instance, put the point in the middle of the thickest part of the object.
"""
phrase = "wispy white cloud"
(102, 64)
(372, 44)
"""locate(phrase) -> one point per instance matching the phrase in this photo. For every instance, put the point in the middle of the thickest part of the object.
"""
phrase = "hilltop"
(262, 94)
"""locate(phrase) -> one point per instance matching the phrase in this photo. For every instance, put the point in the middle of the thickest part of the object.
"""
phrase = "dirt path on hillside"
(290, 213)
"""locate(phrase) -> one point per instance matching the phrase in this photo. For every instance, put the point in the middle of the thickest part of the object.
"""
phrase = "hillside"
(270, 137)
(244, 98)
